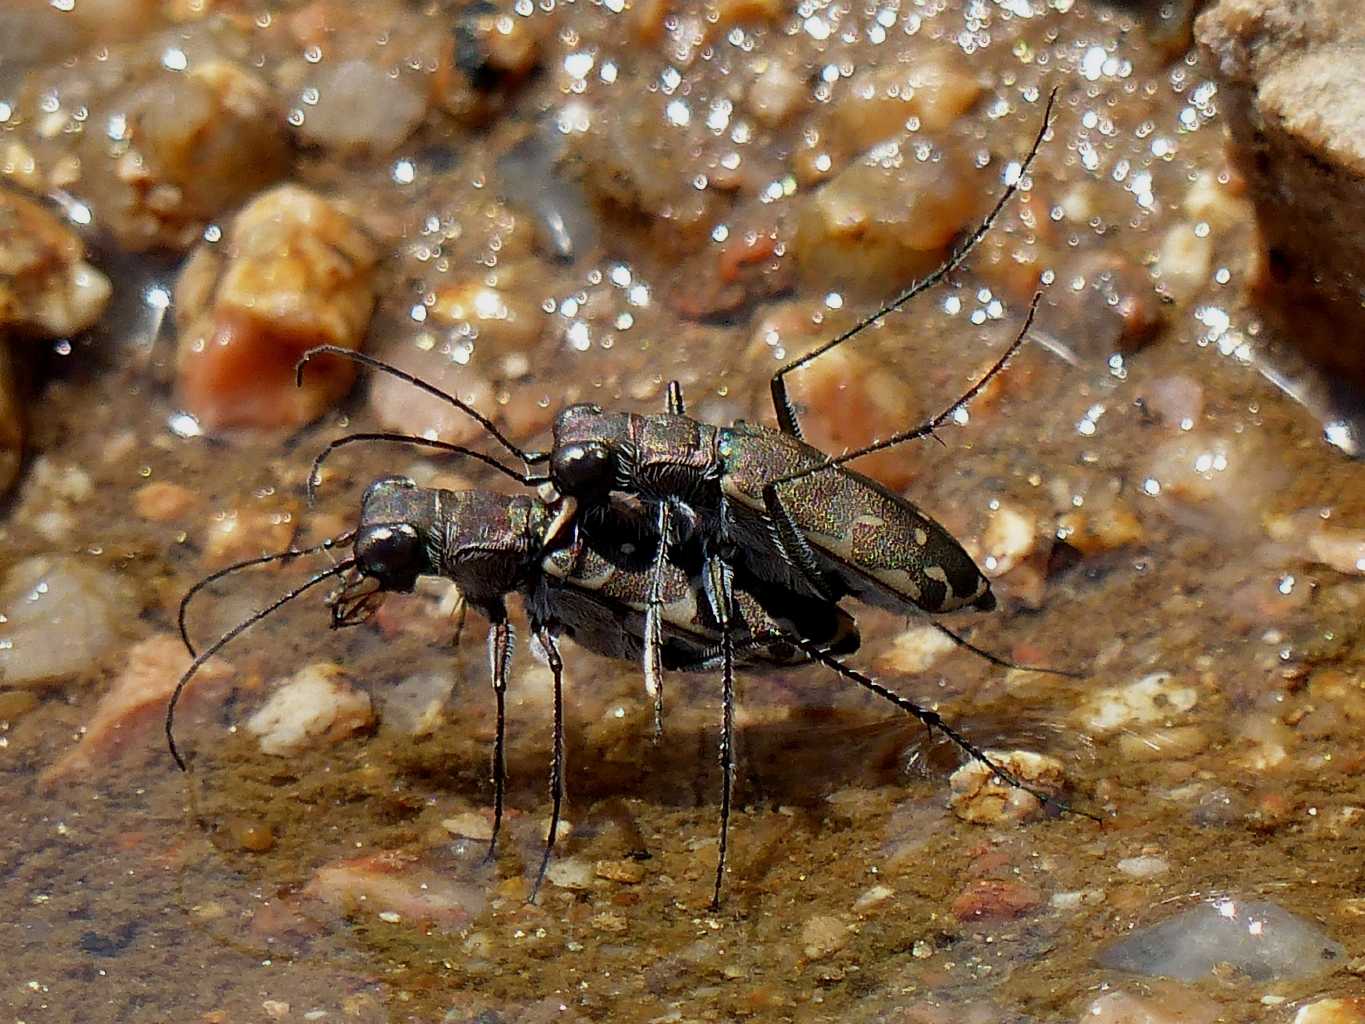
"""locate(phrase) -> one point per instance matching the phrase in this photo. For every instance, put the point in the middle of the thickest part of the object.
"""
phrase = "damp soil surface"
(720, 187)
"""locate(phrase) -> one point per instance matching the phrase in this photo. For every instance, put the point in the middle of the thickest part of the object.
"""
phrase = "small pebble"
(823, 935)
(1095, 531)
(873, 897)
(397, 406)
(275, 1009)
(1183, 262)
(875, 225)
(850, 397)
(611, 922)
(251, 834)
(47, 289)
(163, 502)
(776, 94)
(59, 616)
(935, 89)
(403, 884)
(196, 144)
(318, 704)
(1144, 867)
(501, 319)
(129, 715)
(1178, 401)
(979, 796)
(356, 106)
(1077, 899)
(471, 825)
(989, 899)
(1163, 744)
(627, 871)
(247, 531)
(1332, 1011)
(416, 706)
(1261, 742)
(574, 873)
(918, 649)
(1342, 550)
(1170, 1007)
(1234, 473)
(294, 270)
(1009, 538)
(1209, 200)
(1258, 938)
(1155, 698)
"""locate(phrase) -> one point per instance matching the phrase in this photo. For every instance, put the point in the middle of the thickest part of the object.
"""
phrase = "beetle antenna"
(226, 639)
(415, 381)
(247, 563)
(954, 260)
(927, 428)
(996, 659)
(424, 442)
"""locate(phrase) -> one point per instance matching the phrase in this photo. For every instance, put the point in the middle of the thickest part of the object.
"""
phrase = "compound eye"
(389, 553)
(580, 468)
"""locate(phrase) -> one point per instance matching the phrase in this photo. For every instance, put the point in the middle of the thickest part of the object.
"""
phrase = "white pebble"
(317, 703)
(873, 897)
(58, 616)
(1010, 537)
(575, 873)
(1183, 262)
(1258, 938)
(1153, 699)
(918, 649)
(1143, 867)
(980, 796)
(823, 935)
(360, 107)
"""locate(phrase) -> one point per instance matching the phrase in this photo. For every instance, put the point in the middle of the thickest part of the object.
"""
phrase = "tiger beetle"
(592, 584)
(762, 500)
(591, 589)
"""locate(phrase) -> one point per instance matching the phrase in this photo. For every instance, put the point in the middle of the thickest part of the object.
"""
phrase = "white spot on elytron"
(877, 522)
(921, 537)
(935, 572)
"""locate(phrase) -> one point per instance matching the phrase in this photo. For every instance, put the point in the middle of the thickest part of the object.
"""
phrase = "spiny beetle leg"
(719, 574)
(547, 643)
(793, 544)
(674, 403)
(933, 720)
(653, 638)
(501, 640)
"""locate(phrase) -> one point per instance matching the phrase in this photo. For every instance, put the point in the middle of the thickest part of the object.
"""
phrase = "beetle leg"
(547, 643)
(501, 640)
(720, 584)
(675, 403)
(933, 720)
(794, 546)
(459, 614)
(653, 638)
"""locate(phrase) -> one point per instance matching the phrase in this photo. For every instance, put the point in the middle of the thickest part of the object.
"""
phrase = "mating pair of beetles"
(657, 537)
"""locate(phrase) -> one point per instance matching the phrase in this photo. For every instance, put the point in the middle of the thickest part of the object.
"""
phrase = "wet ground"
(1149, 484)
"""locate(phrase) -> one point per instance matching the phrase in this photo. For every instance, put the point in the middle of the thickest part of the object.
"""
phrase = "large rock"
(1293, 89)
